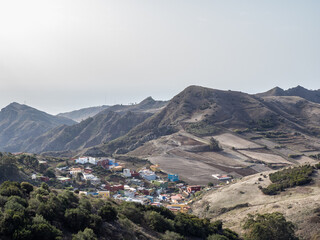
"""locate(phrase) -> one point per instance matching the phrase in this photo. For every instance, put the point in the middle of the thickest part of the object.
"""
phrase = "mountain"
(310, 95)
(256, 134)
(93, 131)
(111, 123)
(84, 113)
(20, 123)
(147, 105)
(196, 104)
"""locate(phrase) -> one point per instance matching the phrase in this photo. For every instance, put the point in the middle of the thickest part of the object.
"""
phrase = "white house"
(93, 161)
(126, 172)
(92, 178)
(82, 160)
(75, 170)
(148, 175)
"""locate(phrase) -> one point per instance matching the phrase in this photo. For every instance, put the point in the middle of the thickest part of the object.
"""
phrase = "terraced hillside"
(256, 134)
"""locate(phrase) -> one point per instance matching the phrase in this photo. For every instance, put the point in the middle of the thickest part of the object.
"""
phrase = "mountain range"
(256, 132)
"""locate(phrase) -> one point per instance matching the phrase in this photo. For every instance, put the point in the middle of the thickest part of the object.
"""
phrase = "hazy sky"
(62, 55)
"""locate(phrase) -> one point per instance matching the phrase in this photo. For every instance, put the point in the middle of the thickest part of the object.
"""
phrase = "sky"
(62, 55)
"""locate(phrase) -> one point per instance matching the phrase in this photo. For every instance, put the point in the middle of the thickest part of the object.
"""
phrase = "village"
(108, 178)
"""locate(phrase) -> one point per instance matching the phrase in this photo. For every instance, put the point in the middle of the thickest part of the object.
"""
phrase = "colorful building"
(194, 188)
(173, 177)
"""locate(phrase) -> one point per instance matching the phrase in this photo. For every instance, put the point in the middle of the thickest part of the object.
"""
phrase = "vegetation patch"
(264, 124)
(288, 178)
(269, 226)
(202, 128)
(224, 210)
(275, 134)
(28, 212)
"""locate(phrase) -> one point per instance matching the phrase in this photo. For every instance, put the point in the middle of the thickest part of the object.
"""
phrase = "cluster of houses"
(143, 186)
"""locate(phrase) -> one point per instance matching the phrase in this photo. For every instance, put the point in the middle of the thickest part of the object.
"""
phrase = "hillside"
(299, 91)
(256, 134)
(147, 105)
(91, 132)
(195, 104)
(29, 212)
(82, 114)
(234, 202)
(20, 123)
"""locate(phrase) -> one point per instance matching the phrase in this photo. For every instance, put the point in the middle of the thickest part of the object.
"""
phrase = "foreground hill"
(234, 202)
(29, 212)
(20, 123)
(299, 91)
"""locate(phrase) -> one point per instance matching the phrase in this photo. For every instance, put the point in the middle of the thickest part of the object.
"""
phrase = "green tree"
(172, 236)
(269, 226)
(87, 234)
(42, 229)
(157, 222)
(50, 173)
(26, 187)
(77, 219)
(108, 213)
(217, 237)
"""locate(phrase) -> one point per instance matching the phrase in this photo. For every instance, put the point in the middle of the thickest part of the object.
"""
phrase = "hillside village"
(146, 185)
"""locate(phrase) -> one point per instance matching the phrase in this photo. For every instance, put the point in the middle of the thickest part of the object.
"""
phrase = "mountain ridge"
(19, 123)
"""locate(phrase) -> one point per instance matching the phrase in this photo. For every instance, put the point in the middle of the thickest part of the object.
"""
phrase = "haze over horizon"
(62, 55)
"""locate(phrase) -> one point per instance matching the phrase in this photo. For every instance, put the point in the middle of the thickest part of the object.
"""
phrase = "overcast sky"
(62, 55)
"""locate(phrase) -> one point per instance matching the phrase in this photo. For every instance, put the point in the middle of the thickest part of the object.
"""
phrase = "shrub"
(86, 234)
(157, 222)
(108, 213)
(172, 236)
(268, 226)
(288, 178)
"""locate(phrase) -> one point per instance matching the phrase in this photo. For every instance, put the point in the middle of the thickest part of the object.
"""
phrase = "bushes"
(288, 178)
(87, 234)
(157, 222)
(41, 213)
(108, 213)
(268, 226)
(202, 128)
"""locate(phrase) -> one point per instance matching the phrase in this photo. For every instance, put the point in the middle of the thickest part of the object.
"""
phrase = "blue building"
(173, 177)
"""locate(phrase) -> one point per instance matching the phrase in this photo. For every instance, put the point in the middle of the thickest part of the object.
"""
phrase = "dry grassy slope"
(297, 204)
(301, 111)
(226, 109)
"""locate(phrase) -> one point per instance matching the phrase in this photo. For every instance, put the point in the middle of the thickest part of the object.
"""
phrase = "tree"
(172, 236)
(26, 187)
(42, 229)
(108, 213)
(214, 145)
(50, 173)
(217, 237)
(87, 234)
(77, 218)
(157, 222)
(269, 226)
